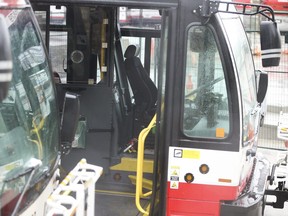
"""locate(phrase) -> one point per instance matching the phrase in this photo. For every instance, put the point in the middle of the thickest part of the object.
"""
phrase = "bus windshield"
(28, 118)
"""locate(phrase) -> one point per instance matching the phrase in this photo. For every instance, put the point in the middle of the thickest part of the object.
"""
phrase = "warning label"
(174, 177)
(174, 185)
(175, 172)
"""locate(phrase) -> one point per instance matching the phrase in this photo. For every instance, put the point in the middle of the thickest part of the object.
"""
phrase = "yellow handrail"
(140, 158)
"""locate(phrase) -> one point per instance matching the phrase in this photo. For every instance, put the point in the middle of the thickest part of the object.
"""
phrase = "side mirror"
(262, 85)
(69, 120)
(5, 59)
(270, 44)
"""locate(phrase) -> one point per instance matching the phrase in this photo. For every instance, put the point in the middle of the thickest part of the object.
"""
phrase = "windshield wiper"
(30, 167)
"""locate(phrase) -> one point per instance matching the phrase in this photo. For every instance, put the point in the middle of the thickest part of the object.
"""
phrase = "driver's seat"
(144, 90)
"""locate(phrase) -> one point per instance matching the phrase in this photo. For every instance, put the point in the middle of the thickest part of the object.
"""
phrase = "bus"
(32, 135)
(171, 111)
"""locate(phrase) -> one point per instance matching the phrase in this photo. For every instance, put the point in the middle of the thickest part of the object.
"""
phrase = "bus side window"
(206, 112)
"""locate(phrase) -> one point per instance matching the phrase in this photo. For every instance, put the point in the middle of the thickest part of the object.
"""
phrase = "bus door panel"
(200, 177)
(206, 164)
(243, 64)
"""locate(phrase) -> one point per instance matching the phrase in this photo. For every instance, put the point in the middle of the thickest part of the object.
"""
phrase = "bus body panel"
(230, 169)
(221, 182)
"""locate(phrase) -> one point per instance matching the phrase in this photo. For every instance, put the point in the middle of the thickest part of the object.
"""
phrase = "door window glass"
(206, 110)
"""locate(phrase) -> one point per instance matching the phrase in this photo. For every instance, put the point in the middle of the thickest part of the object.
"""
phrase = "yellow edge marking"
(130, 165)
(115, 193)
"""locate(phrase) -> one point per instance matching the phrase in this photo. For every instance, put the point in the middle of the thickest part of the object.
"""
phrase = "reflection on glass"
(57, 15)
(58, 53)
(28, 119)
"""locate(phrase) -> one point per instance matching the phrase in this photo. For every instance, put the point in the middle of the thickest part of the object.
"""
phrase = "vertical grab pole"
(140, 158)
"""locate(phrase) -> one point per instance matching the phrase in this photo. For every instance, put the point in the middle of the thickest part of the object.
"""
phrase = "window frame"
(248, 124)
(231, 142)
(212, 31)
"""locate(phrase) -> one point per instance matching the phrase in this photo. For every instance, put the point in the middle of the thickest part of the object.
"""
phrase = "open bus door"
(202, 108)
(86, 51)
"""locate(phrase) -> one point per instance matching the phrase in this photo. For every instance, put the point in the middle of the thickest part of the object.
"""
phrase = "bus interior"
(94, 51)
(113, 55)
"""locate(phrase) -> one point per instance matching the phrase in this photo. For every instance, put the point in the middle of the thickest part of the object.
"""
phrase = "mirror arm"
(211, 7)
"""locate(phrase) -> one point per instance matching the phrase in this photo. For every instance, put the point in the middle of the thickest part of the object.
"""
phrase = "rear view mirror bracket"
(211, 7)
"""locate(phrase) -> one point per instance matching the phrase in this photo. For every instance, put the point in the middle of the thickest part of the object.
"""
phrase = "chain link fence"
(277, 94)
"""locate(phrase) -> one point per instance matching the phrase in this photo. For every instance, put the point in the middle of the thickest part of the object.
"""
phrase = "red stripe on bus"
(198, 199)
(203, 192)
(180, 207)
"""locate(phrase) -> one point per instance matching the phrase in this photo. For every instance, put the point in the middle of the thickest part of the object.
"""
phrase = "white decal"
(178, 153)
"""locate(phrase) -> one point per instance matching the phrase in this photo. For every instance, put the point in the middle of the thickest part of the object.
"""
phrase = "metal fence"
(277, 94)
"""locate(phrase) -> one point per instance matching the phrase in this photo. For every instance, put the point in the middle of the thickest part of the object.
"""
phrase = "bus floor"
(108, 203)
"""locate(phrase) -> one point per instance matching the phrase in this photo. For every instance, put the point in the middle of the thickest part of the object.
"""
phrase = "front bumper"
(252, 201)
